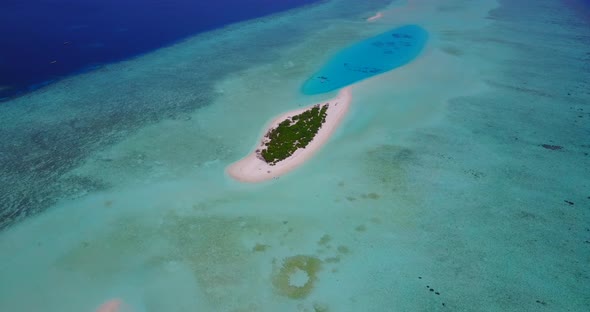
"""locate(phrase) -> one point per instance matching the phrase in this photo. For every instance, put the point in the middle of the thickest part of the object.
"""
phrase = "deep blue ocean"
(44, 40)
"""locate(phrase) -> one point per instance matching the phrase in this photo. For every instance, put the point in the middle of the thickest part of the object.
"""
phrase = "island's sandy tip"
(375, 17)
(113, 305)
(253, 168)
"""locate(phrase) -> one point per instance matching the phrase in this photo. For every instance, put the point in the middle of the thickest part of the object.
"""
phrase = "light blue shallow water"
(368, 58)
(437, 192)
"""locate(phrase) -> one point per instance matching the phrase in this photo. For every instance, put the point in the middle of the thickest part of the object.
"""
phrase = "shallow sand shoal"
(375, 17)
(253, 169)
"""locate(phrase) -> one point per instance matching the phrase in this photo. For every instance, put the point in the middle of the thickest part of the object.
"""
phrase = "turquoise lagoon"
(368, 58)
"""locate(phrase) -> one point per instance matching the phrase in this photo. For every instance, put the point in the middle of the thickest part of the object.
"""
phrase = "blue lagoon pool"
(368, 58)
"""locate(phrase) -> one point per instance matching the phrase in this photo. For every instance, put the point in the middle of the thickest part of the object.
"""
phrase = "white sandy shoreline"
(252, 169)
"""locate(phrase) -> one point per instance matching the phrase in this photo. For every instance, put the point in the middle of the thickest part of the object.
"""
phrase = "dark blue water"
(44, 40)
(582, 7)
(367, 58)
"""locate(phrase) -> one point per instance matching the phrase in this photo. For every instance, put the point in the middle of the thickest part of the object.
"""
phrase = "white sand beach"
(253, 169)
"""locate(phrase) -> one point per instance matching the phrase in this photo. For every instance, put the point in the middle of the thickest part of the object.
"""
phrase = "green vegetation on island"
(292, 133)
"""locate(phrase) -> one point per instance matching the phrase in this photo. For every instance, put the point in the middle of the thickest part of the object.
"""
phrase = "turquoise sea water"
(457, 182)
(368, 58)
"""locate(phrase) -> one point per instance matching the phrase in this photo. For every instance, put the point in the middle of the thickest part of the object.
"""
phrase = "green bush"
(293, 133)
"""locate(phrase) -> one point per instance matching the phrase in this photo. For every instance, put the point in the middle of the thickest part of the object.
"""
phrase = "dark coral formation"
(282, 278)
(551, 147)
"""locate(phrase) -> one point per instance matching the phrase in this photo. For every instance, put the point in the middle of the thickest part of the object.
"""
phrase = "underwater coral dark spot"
(551, 147)
(282, 279)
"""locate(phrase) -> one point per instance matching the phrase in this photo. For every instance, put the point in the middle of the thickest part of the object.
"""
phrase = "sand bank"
(112, 305)
(253, 169)
(375, 17)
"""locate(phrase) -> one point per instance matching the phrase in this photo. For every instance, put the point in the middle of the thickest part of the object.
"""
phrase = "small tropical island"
(292, 134)
(291, 139)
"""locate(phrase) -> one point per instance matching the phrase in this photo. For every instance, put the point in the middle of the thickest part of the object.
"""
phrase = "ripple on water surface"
(368, 58)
